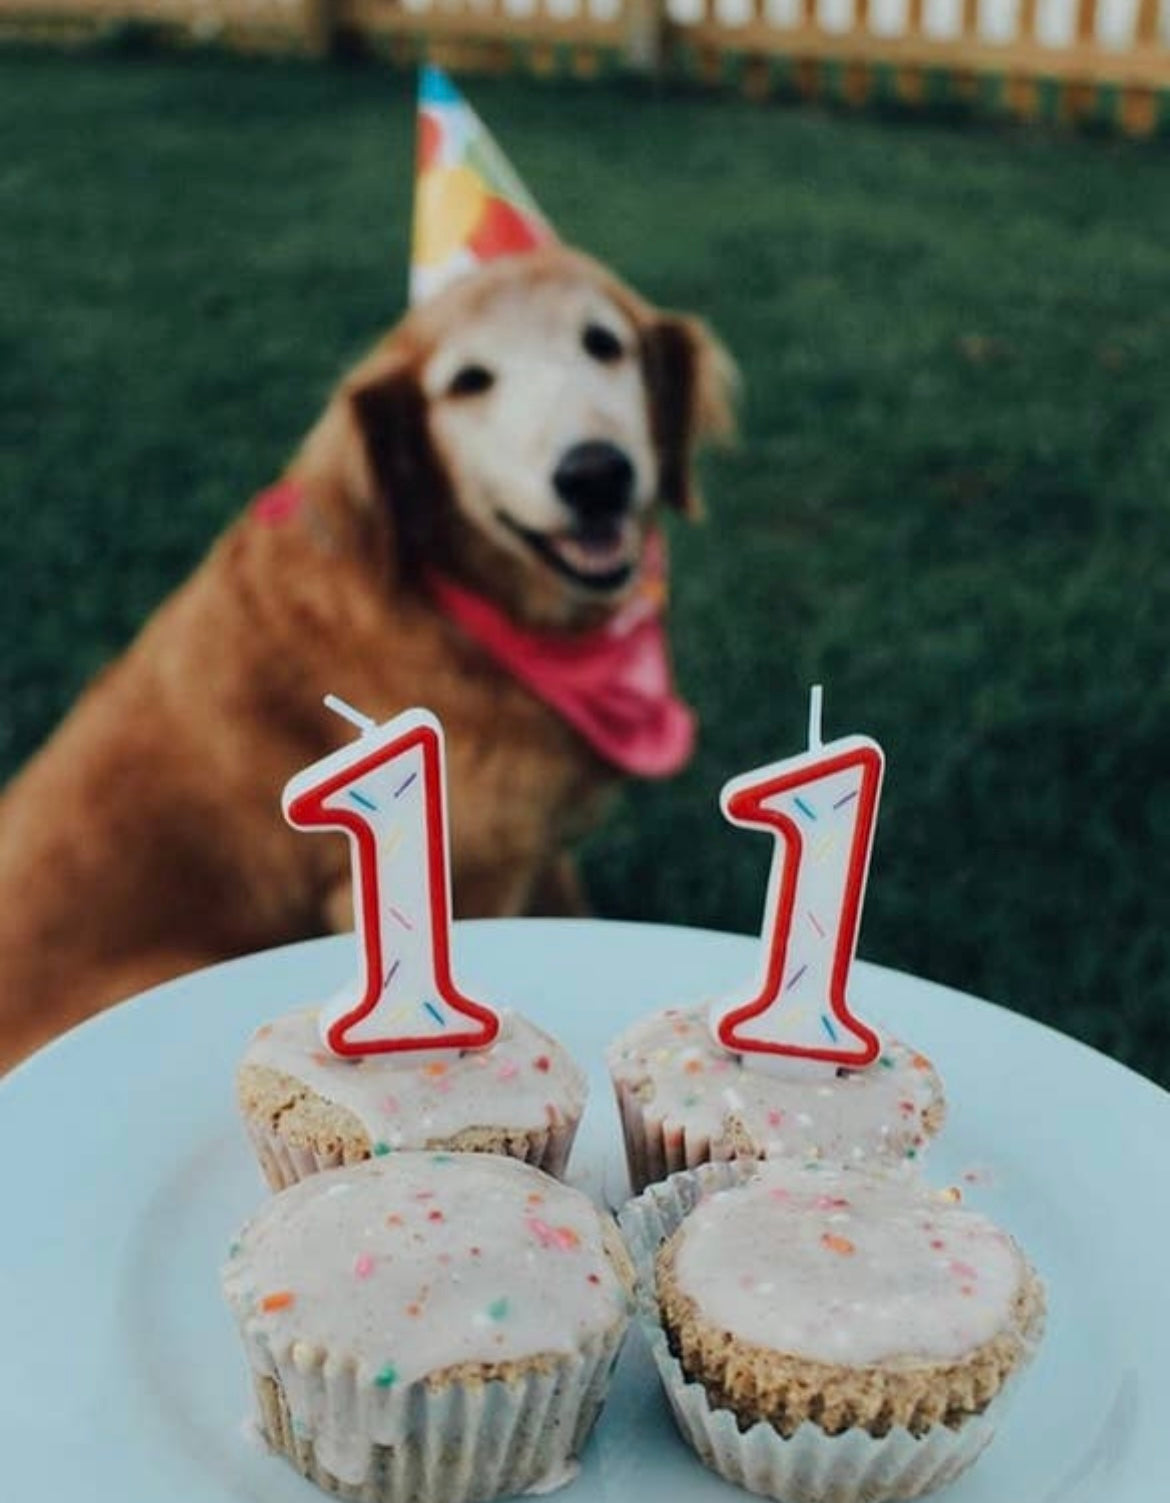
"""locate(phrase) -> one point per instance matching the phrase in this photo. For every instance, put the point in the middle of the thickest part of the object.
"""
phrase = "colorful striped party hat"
(469, 205)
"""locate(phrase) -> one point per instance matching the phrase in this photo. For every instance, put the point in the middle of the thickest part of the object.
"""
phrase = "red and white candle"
(821, 806)
(387, 792)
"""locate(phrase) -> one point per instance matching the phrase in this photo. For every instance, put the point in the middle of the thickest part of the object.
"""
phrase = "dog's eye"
(470, 381)
(601, 344)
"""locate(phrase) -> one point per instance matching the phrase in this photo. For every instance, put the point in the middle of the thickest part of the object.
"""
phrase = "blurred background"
(949, 501)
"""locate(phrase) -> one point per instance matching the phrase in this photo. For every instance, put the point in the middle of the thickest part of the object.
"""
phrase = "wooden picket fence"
(1088, 72)
(1072, 59)
(581, 37)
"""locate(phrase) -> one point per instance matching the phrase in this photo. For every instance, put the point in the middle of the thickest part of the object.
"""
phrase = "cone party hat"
(470, 207)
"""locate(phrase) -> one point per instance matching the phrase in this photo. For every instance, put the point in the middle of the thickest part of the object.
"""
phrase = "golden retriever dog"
(514, 434)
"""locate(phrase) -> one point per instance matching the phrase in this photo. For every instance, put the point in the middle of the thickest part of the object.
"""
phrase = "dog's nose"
(596, 479)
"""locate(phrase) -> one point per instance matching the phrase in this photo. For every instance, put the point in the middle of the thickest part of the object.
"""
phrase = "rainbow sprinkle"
(839, 1245)
(558, 1238)
(360, 798)
(806, 809)
(387, 1377)
(282, 1299)
(402, 787)
(823, 847)
(498, 1309)
(363, 1266)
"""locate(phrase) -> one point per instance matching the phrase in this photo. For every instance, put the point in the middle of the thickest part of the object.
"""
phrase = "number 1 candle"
(387, 791)
(821, 806)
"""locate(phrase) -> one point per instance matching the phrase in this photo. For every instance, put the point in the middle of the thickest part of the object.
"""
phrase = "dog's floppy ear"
(690, 380)
(390, 412)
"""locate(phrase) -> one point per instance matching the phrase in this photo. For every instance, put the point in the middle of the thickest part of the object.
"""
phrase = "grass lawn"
(950, 500)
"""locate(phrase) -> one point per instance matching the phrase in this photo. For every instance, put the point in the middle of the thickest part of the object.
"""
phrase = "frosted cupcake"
(831, 1334)
(437, 1328)
(306, 1109)
(684, 1100)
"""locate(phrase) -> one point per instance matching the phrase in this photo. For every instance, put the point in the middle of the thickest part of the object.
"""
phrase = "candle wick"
(815, 700)
(347, 712)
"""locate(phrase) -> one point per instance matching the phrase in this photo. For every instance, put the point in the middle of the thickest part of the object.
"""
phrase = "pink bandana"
(612, 684)
(279, 503)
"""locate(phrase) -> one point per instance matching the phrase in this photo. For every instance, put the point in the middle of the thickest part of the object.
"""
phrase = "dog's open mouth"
(599, 555)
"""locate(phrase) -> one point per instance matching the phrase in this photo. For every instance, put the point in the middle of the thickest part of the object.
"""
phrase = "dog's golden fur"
(145, 838)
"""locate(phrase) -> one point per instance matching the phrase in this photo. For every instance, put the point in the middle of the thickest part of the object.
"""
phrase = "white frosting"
(524, 1081)
(848, 1267)
(401, 1267)
(689, 1082)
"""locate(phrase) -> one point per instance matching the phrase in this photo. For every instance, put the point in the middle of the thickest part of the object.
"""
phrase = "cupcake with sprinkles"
(831, 1335)
(432, 1327)
(306, 1108)
(785, 1067)
(403, 1058)
(685, 1100)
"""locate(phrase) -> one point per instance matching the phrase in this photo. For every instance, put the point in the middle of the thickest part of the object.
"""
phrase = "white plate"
(126, 1174)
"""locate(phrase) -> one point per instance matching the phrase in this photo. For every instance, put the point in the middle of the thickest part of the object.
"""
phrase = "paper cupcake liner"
(655, 1150)
(464, 1442)
(811, 1466)
(284, 1164)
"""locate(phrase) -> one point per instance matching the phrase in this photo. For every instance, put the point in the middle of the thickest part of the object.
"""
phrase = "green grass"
(950, 499)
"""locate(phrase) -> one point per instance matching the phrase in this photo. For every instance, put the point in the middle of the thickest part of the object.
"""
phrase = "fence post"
(646, 23)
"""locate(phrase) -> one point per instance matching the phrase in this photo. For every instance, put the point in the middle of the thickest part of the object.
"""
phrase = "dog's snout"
(596, 479)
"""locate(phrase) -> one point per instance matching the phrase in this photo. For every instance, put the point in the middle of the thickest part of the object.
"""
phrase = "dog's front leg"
(493, 889)
(338, 909)
(558, 891)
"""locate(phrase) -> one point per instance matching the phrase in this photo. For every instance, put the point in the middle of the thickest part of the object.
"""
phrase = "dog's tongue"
(600, 553)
